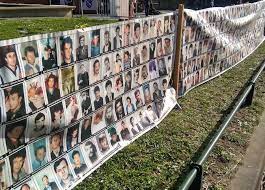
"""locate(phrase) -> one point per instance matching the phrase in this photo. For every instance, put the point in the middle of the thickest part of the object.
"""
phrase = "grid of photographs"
(216, 39)
(80, 94)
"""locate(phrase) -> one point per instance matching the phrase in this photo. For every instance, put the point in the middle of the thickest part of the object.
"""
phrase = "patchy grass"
(160, 159)
(14, 28)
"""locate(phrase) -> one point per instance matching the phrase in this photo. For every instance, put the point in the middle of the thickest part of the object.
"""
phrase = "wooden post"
(178, 40)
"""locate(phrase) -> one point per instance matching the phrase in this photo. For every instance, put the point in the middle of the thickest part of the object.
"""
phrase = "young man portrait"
(14, 134)
(86, 105)
(64, 175)
(98, 102)
(49, 185)
(66, 51)
(82, 50)
(79, 167)
(31, 61)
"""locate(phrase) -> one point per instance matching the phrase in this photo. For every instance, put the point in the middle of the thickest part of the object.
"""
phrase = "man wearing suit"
(49, 185)
(82, 50)
(117, 40)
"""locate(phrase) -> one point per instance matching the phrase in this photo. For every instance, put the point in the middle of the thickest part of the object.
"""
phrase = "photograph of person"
(102, 142)
(52, 86)
(162, 68)
(136, 56)
(151, 113)
(67, 56)
(109, 114)
(137, 32)
(114, 137)
(90, 150)
(118, 64)
(95, 42)
(144, 120)
(155, 89)
(77, 160)
(144, 73)
(118, 85)
(159, 48)
(97, 97)
(4, 175)
(30, 57)
(10, 69)
(166, 25)
(86, 105)
(159, 105)
(35, 94)
(117, 39)
(86, 128)
(145, 34)
(27, 185)
(38, 154)
(14, 102)
(18, 165)
(98, 122)
(82, 74)
(71, 137)
(128, 81)
(63, 173)
(160, 26)
(119, 109)
(153, 69)
(144, 52)
(82, 49)
(15, 135)
(45, 180)
(48, 53)
(95, 70)
(135, 125)
(147, 94)
(56, 145)
(136, 77)
(152, 31)
(152, 50)
(109, 94)
(138, 98)
(164, 86)
(106, 43)
(129, 106)
(124, 130)
(107, 66)
(127, 59)
(57, 116)
(127, 34)
(38, 124)
(68, 80)
(73, 111)
(168, 49)
(172, 26)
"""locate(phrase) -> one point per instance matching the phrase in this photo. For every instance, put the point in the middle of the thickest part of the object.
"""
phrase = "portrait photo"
(57, 116)
(5, 180)
(64, 174)
(36, 93)
(160, 26)
(72, 109)
(30, 57)
(10, 69)
(162, 68)
(48, 53)
(153, 69)
(117, 36)
(85, 100)
(156, 90)
(38, 154)
(106, 44)
(166, 25)
(52, 86)
(71, 137)
(109, 115)
(26, 185)
(152, 49)
(78, 163)
(119, 108)
(159, 48)
(134, 124)
(3, 149)
(97, 96)
(136, 56)
(85, 128)
(82, 46)
(127, 39)
(56, 145)
(67, 48)
(153, 31)
(38, 124)
(118, 85)
(144, 52)
(108, 90)
(98, 121)
(151, 112)
(128, 81)
(127, 58)
(147, 94)
(45, 180)
(123, 130)
(82, 74)
(113, 135)
(165, 83)
(159, 106)
(103, 142)
(138, 98)
(137, 27)
(129, 103)
(172, 26)
(107, 66)
(168, 45)
(144, 75)
(145, 122)
(90, 150)
(118, 62)
(145, 30)
(19, 167)
(137, 80)
(15, 102)
(68, 80)
(95, 70)
(95, 42)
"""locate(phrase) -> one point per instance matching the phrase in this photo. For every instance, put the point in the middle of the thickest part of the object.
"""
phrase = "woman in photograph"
(91, 151)
(127, 35)
(72, 137)
(95, 43)
(152, 32)
(119, 84)
(96, 70)
(57, 116)
(51, 83)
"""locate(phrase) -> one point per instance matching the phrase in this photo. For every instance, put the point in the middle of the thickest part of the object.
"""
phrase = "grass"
(14, 28)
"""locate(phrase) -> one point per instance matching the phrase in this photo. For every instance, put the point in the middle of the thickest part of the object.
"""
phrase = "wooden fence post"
(178, 41)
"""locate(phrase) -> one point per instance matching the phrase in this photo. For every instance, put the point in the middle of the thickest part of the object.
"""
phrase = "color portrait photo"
(48, 53)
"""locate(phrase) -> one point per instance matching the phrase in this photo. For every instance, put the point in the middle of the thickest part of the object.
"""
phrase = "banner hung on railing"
(71, 100)
(216, 39)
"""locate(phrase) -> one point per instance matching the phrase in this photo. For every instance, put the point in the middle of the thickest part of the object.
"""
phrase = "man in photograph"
(157, 93)
(136, 57)
(82, 78)
(98, 102)
(164, 86)
(48, 59)
(146, 30)
(95, 43)
(167, 46)
(15, 105)
(166, 25)
(144, 73)
(117, 40)
(14, 134)
(135, 127)
(152, 50)
(103, 143)
(107, 43)
(10, 70)
(86, 128)
(56, 145)
(147, 94)
(114, 136)
(137, 33)
(137, 77)
(119, 109)
(128, 81)
(68, 81)
(127, 35)
(82, 50)
(127, 60)
(17, 162)
(39, 127)
(162, 70)
(86, 103)
(125, 133)
(144, 54)
(49, 185)
(63, 172)
(107, 71)
(35, 95)
(79, 167)
(40, 156)
(109, 115)
(32, 64)
(53, 93)
(139, 101)
(110, 95)
(96, 71)
(67, 47)
(57, 116)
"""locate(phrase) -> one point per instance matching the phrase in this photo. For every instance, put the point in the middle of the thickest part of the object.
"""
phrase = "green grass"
(14, 28)
(160, 159)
